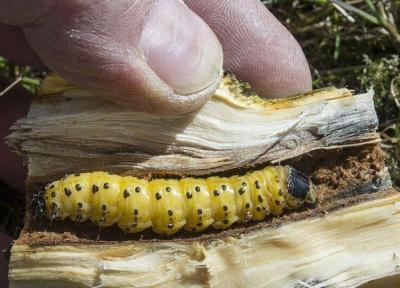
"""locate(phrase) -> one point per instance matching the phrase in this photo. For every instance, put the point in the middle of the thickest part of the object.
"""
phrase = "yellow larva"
(168, 205)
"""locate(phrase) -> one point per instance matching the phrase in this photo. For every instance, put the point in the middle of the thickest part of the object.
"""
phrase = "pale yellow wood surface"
(347, 248)
(61, 136)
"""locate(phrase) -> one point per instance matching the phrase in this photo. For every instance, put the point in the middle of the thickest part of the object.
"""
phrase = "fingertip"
(257, 48)
(145, 92)
(280, 71)
(181, 48)
(144, 55)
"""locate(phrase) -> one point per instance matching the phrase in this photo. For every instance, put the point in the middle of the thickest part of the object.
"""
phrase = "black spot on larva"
(199, 211)
(226, 214)
(170, 213)
(225, 208)
(79, 204)
(197, 189)
(103, 214)
(137, 189)
(158, 196)
(78, 187)
(241, 191)
(189, 195)
(104, 207)
(51, 186)
(135, 219)
(79, 217)
(225, 221)
(46, 198)
(258, 208)
(264, 208)
(95, 189)
(134, 225)
(244, 184)
(247, 205)
(77, 174)
(102, 220)
(53, 206)
(199, 224)
(168, 189)
(223, 187)
(67, 192)
(126, 194)
(216, 192)
(135, 212)
(280, 192)
(260, 199)
(106, 185)
(277, 202)
(170, 226)
(257, 184)
(53, 194)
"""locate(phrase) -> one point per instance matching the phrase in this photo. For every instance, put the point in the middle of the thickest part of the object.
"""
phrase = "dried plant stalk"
(75, 132)
(345, 249)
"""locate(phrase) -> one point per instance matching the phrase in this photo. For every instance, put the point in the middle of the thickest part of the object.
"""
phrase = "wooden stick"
(344, 249)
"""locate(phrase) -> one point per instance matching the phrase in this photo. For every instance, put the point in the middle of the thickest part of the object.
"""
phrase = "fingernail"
(180, 47)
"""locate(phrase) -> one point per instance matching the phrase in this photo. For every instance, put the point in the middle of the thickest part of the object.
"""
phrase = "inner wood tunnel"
(341, 177)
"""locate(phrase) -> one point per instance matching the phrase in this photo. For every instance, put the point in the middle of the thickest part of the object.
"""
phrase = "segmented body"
(168, 205)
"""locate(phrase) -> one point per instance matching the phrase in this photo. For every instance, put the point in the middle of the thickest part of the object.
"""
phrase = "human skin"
(13, 105)
(5, 241)
(157, 56)
(162, 56)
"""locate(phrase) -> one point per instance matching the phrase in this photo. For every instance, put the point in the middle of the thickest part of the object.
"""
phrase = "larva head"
(299, 189)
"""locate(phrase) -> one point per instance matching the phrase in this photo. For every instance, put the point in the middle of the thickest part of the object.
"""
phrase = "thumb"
(155, 56)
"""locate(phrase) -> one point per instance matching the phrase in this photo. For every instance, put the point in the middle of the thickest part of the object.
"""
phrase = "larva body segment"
(259, 196)
(168, 205)
(243, 193)
(169, 213)
(104, 201)
(198, 204)
(223, 202)
(76, 207)
(274, 183)
(134, 205)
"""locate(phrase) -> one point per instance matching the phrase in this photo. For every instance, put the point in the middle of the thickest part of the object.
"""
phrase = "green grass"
(353, 43)
(30, 79)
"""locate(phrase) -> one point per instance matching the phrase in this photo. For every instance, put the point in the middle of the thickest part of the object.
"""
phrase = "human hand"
(155, 55)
